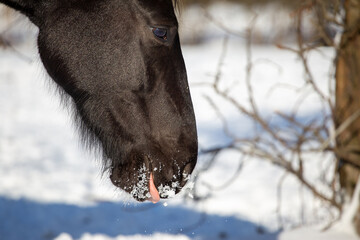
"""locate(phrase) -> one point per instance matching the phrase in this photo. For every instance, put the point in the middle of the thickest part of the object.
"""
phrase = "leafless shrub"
(287, 145)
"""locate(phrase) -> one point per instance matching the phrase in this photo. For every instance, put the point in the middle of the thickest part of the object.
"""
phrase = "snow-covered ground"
(53, 189)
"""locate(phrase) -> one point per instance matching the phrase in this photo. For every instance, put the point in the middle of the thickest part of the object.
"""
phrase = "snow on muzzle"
(150, 180)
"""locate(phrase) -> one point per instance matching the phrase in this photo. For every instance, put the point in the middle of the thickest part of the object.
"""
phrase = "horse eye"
(160, 33)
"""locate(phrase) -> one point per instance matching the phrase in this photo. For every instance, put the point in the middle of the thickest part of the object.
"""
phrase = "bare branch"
(285, 145)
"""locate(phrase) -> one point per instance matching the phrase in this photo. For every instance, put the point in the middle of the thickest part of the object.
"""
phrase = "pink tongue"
(155, 197)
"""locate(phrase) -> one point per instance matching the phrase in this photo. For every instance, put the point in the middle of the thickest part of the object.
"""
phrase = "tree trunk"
(348, 102)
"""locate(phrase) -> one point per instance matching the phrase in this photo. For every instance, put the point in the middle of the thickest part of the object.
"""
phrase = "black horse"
(120, 64)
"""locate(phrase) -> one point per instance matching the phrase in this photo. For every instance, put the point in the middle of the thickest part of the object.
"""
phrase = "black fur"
(129, 88)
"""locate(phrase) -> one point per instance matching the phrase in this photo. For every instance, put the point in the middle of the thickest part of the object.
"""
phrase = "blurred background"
(274, 130)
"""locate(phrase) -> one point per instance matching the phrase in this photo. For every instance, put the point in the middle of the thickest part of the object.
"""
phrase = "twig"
(341, 129)
(279, 198)
(6, 44)
(222, 26)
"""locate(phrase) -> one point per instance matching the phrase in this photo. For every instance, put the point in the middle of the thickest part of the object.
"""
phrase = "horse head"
(120, 64)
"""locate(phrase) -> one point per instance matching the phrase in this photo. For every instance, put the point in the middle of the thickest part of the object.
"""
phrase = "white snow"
(349, 213)
(316, 234)
(156, 236)
(52, 189)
